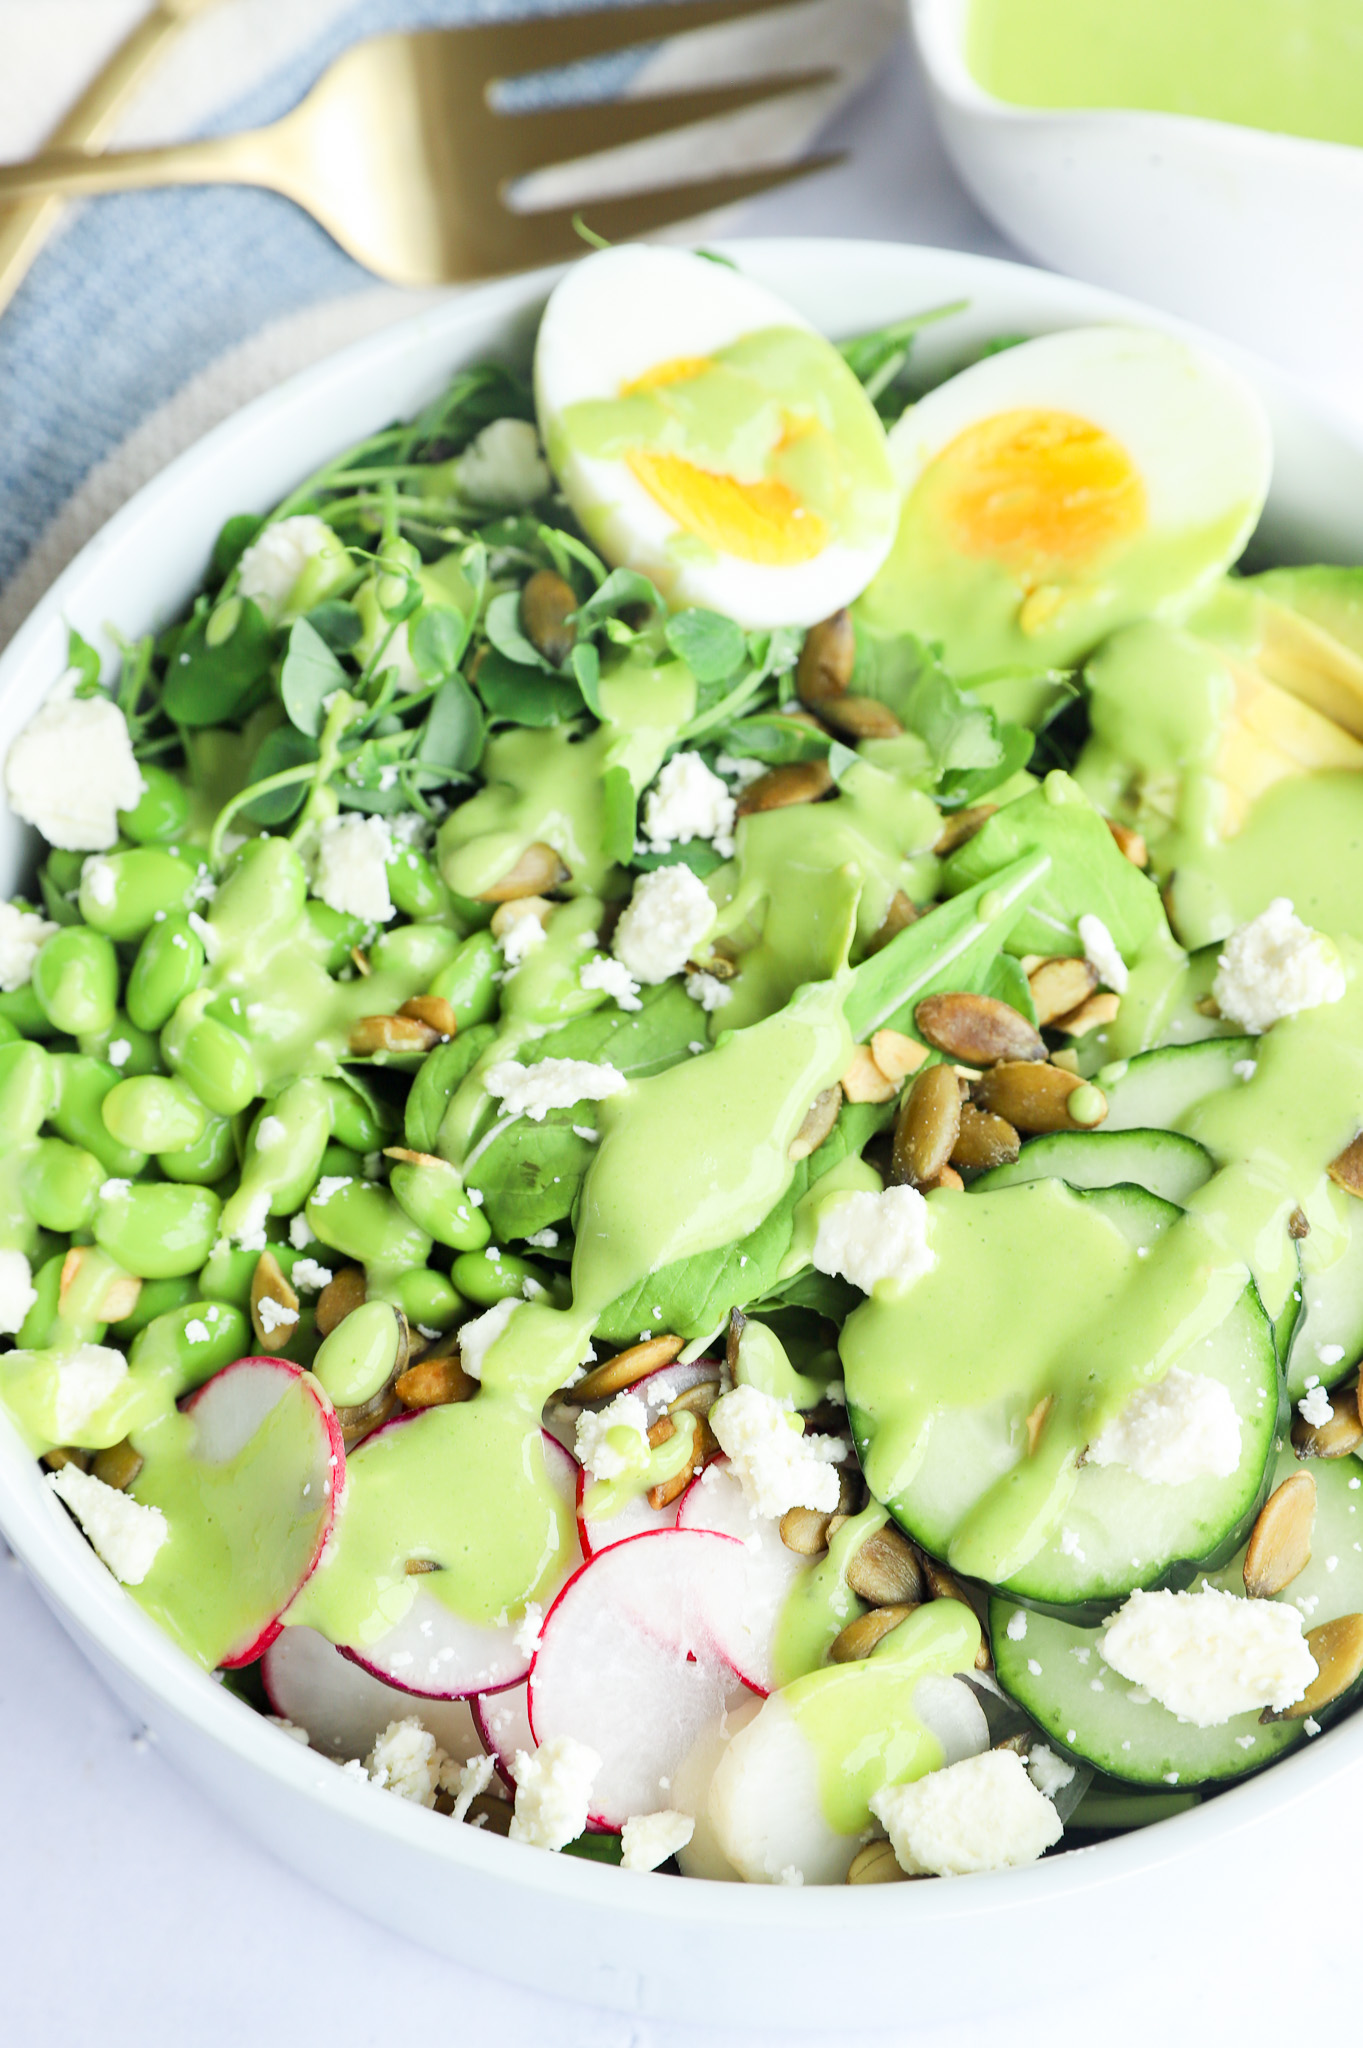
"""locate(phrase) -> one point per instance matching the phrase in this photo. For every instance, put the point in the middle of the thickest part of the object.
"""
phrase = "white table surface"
(131, 1912)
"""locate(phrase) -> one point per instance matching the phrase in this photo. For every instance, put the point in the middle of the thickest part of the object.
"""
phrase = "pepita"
(795, 782)
(538, 869)
(489, 1813)
(903, 912)
(1280, 1541)
(897, 1055)
(1060, 985)
(359, 960)
(805, 1531)
(962, 825)
(371, 1035)
(1036, 1422)
(696, 1400)
(1337, 1437)
(944, 1585)
(434, 1383)
(434, 1011)
(876, 1863)
(927, 1127)
(548, 602)
(981, 1030)
(1337, 1647)
(627, 1368)
(67, 1454)
(118, 1466)
(119, 1295)
(984, 1141)
(863, 1081)
(1132, 843)
(885, 1570)
(862, 718)
(507, 915)
(827, 660)
(274, 1306)
(860, 1637)
(1347, 1171)
(1034, 1095)
(1097, 1010)
(418, 1567)
(343, 1293)
(819, 1120)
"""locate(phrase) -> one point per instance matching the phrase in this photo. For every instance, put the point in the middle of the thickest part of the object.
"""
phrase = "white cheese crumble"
(777, 1465)
(1329, 1354)
(521, 930)
(197, 1331)
(23, 934)
(1017, 1626)
(120, 1051)
(86, 1376)
(983, 1813)
(614, 1440)
(1183, 1428)
(1275, 966)
(708, 990)
(274, 1315)
(648, 1839)
(1047, 1771)
(17, 1292)
(552, 1791)
(551, 1084)
(270, 1131)
(300, 1232)
(666, 918)
(350, 870)
(613, 978)
(270, 567)
(466, 1782)
(1100, 950)
(99, 880)
(126, 1535)
(1315, 1407)
(688, 801)
(407, 1761)
(477, 1338)
(1210, 1655)
(311, 1275)
(502, 466)
(869, 1238)
(71, 771)
(543, 1240)
(526, 1633)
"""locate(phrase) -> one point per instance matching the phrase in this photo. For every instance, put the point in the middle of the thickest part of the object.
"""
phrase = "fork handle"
(70, 173)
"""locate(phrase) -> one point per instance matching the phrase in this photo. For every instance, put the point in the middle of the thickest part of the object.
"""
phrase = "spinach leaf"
(336, 622)
(283, 748)
(436, 1081)
(453, 734)
(697, 854)
(523, 695)
(585, 663)
(712, 646)
(310, 674)
(234, 537)
(437, 642)
(622, 588)
(211, 677)
(772, 738)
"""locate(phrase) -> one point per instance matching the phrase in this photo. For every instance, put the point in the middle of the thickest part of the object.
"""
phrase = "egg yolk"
(1035, 490)
(762, 522)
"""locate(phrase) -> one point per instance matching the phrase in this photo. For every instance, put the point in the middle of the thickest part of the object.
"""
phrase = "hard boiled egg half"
(1064, 487)
(706, 435)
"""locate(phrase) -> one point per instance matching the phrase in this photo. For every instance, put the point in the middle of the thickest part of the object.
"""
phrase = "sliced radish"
(438, 1654)
(690, 1793)
(503, 1720)
(343, 1708)
(632, 1661)
(715, 1500)
(298, 1481)
(636, 1518)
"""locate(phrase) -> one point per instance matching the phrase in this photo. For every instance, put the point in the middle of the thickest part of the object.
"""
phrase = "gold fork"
(401, 155)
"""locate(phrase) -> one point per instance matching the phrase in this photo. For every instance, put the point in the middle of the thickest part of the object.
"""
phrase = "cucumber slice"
(1119, 1531)
(1056, 1672)
(1155, 1090)
(1169, 1165)
(1331, 1308)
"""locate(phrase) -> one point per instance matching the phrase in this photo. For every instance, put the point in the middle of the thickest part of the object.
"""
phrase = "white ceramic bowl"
(1255, 235)
(643, 1944)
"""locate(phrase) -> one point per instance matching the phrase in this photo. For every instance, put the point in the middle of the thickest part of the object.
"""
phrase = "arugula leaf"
(211, 678)
(310, 674)
(285, 747)
(525, 696)
(959, 787)
(970, 750)
(453, 734)
(502, 624)
(437, 642)
(712, 646)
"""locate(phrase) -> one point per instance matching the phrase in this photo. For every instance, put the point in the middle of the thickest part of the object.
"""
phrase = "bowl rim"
(90, 1602)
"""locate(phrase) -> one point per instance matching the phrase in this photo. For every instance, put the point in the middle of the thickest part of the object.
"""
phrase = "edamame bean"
(262, 895)
(340, 1163)
(433, 1195)
(28, 1092)
(78, 1115)
(210, 1056)
(61, 1184)
(469, 982)
(127, 1048)
(227, 1274)
(426, 1298)
(155, 1298)
(188, 1344)
(152, 1114)
(284, 1151)
(488, 1280)
(10, 1034)
(414, 885)
(37, 1330)
(169, 966)
(354, 1363)
(363, 1222)
(156, 1229)
(21, 1008)
(415, 951)
(208, 1160)
(333, 935)
(355, 1122)
(121, 894)
(75, 978)
(90, 1278)
(437, 1079)
(162, 810)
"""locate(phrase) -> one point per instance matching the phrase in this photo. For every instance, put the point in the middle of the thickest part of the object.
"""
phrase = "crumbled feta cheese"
(552, 1791)
(17, 1292)
(1210, 1655)
(521, 931)
(254, 1213)
(543, 1240)
(666, 918)
(197, 1331)
(300, 1232)
(1244, 1070)
(407, 1761)
(1329, 1354)
(99, 880)
(113, 1190)
(1315, 1407)
(205, 934)
(329, 1186)
(71, 771)
(777, 1465)
(741, 772)
(869, 1238)
(120, 1051)
(274, 1315)
(613, 978)
(477, 1338)
(983, 1813)
(1047, 1771)
(502, 466)
(526, 1633)
(551, 1084)
(311, 1275)
(1100, 950)
(1274, 966)
(285, 1727)
(613, 1441)
(1017, 1626)
(350, 870)
(466, 1782)
(270, 1131)
(688, 801)
(86, 1376)
(126, 1535)
(269, 569)
(1183, 1428)
(648, 1839)
(708, 990)
(22, 935)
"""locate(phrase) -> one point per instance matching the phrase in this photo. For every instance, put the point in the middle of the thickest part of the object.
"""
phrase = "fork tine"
(551, 235)
(511, 49)
(557, 135)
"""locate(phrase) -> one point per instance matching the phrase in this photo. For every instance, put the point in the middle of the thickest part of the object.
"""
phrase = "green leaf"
(712, 646)
(453, 734)
(435, 1082)
(234, 537)
(525, 696)
(209, 684)
(437, 642)
(503, 627)
(585, 663)
(338, 623)
(618, 810)
(696, 854)
(772, 738)
(311, 673)
(966, 786)
(81, 656)
(283, 748)
(622, 588)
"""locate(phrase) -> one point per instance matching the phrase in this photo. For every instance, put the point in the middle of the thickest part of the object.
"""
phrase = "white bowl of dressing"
(1254, 234)
(680, 1950)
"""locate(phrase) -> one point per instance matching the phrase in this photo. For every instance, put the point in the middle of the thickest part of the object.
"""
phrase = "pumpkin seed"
(417, 1567)
(1297, 1225)
(862, 718)
(903, 912)
(983, 1141)
(1036, 1422)
(274, 1306)
(537, 870)
(962, 825)
(489, 1813)
(1060, 985)
(797, 782)
(1337, 1437)
(860, 1637)
(1347, 1171)
(947, 1177)
(1131, 843)
(1034, 1095)
(863, 1081)
(118, 1466)
(359, 1422)
(434, 1011)
(820, 1118)
(548, 602)
(703, 1448)
(118, 1298)
(827, 660)
(805, 1531)
(876, 1864)
(359, 960)
(897, 1055)
(627, 1368)
(1280, 1541)
(927, 1127)
(980, 1030)
(1337, 1647)
(885, 1570)
(434, 1383)
(344, 1292)
(1097, 1010)
(508, 915)
(370, 1035)
(696, 1400)
(67, 1454)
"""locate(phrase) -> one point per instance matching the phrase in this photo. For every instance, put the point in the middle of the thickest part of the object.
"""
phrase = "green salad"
(680, 1098)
